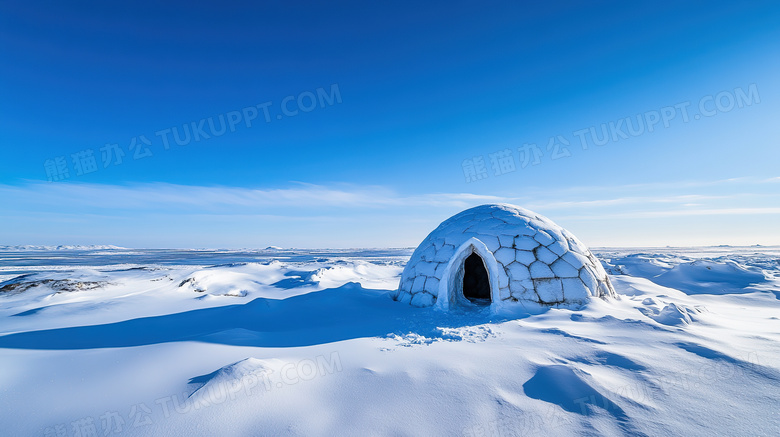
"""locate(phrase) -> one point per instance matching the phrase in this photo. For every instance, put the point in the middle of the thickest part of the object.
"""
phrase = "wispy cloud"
(167, 196)
(643, 200)
(166, 215)
(656, 187)
(301, 196)
(675, 213)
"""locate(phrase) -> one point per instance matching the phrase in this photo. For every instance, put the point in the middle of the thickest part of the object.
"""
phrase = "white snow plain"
(278, 342)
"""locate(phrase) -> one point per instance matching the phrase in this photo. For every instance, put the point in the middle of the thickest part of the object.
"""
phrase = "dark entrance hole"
(476, 285)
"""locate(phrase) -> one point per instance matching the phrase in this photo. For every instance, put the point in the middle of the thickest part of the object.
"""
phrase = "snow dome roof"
(526, 259)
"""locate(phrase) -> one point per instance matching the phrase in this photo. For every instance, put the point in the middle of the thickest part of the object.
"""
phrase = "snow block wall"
(528, 259)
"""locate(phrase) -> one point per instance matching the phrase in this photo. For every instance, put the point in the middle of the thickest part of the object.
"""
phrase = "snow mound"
(231, 380)
(369, 275)
(238, 280)
(20, 285)
(672, 314)
(641, 265)
(562, 386)
(697, 276)
(711, 277)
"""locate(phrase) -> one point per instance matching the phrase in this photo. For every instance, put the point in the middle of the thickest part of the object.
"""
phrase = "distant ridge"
(62, 247)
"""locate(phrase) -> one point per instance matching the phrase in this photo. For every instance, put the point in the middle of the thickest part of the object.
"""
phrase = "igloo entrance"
(470, 278)
(476, 283)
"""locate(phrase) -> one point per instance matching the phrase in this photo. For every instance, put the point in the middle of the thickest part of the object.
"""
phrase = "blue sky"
(412, 94)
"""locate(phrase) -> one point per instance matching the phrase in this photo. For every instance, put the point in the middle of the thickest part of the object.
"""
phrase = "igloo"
(499, 255)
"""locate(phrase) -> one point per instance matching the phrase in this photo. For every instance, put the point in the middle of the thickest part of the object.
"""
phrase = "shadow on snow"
(325, 316)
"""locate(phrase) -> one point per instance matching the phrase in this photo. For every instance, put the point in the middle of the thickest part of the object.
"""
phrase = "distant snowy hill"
(61, 247)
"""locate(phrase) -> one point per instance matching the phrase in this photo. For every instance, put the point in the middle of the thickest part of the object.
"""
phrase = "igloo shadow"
(331, 315)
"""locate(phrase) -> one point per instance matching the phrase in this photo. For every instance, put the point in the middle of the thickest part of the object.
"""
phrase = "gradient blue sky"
(423, 85)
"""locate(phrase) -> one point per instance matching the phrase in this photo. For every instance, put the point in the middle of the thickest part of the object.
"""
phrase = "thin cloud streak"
(306, 215)
(150, 196)
(676, 213)
(157, 196)
(624, 201)
(659, 186)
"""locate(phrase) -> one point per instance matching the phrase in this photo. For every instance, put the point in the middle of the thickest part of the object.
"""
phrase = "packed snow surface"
(114, 341)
